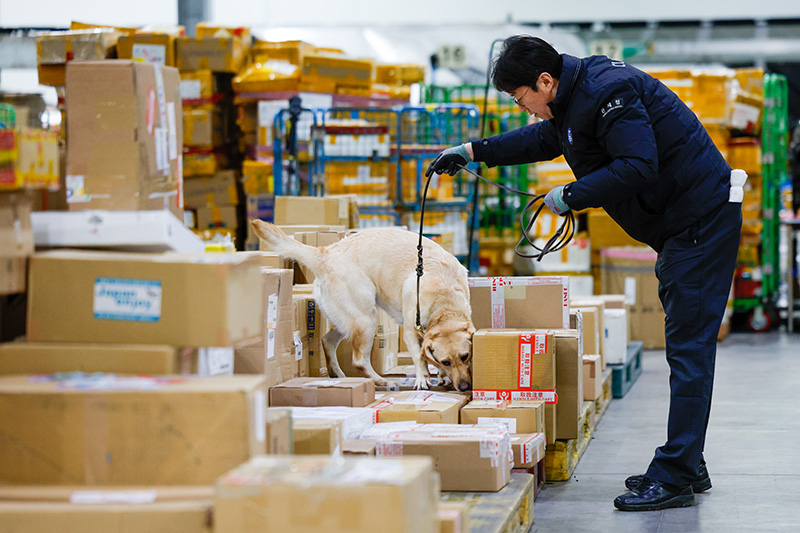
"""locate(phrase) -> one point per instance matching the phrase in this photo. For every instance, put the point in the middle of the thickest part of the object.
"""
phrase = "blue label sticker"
(135, 300)
(569, 135)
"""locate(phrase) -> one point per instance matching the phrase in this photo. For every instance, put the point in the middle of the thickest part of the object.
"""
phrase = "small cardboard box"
(592, 378)
(317, 211)
(317, 437)
(305, 494)
(217, 54)
(569, 384)
(219, 189)
(468, 458)
(424, 407)
(453, 517)
(514, 360)
(528, 449)
(537, 302)
(519, 416)
(316, 392)
(143, 430)
(125, 133)
(50, 358)
(148, 47)
(279, 437)
(199, 300)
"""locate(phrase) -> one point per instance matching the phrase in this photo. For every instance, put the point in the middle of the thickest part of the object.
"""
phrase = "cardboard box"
(355, 420)
(519, 416)
(616, 336)
(359, 447)
(143, 517)
(279, 435)
(569, 384)
(13, 275)
(315, 326)
(592, 341)
(520, 302)
(605, 233)
(55, 49)
(513, 364)
(143, 430)
(313, 494)
(217, 54)
(453, 517)
(125, 133)
(528, 449)
(217, 216)
(198, 85)
(300, 332)
(618, 301)
(16, 231)
(592, 378)
(203, 126)
(173, 299)
(317, 437)
(50, 358)
(316, 392)
(424, 407)
(467, 458)
(219, 189)
(630, 271)
(308, 210)
(158, 48)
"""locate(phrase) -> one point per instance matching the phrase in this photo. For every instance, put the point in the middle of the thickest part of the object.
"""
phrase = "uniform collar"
(570, 71)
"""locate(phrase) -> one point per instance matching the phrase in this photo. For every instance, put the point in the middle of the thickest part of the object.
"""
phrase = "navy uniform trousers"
(695, 271)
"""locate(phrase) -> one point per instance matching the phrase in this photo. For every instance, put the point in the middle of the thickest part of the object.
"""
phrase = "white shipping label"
(75, 189)
(173, 131)
(135, 300)
(150, 53)
(96, 497)
(190, 89)
(630, 290)
(162, 150)
(215, 362)
(270, 343)
(162, 98)
(260, 415)
(510, 423)
(272, 311)
(298, 346)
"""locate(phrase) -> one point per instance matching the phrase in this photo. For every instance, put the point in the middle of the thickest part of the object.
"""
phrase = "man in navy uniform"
(639, 153)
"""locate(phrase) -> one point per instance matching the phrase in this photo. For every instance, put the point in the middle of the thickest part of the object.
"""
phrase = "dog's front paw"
(422, 383)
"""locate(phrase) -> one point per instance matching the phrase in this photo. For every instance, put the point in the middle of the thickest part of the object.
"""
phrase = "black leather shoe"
(652, 495)
(701, 484)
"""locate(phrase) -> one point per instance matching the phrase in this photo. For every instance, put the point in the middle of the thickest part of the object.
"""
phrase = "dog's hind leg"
(363, 337)
(330, 341)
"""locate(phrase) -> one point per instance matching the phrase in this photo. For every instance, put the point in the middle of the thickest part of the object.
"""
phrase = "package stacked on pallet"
(208, 63)
(396, 80)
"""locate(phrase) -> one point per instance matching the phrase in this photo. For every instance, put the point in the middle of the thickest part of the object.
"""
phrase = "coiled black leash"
(559, 240)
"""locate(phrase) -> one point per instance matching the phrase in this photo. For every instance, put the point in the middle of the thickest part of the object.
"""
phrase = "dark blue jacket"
(636, 149)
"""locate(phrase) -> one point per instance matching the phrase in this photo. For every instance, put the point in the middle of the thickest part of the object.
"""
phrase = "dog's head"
(447, 344)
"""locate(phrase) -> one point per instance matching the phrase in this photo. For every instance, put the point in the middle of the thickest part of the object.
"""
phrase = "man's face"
(535, 102)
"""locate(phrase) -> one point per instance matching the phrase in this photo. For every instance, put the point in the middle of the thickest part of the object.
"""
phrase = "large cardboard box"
(519, 416)
(49, 358)
(592, 378)
(317, 211)
(630, 271)
(513, 364)
(317, 437)
(336, 495)
(319, 392)
(528, 449)
(125, 133)
(468, 458)
(425, 407)
(136, 517)
(520, 302)
(118, 430)
(279, 437)
(174, 299)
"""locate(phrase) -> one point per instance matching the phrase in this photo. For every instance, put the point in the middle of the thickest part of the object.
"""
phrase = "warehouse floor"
(751, 449)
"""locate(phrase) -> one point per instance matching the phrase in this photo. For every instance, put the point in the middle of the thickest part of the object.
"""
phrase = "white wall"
(59, 13)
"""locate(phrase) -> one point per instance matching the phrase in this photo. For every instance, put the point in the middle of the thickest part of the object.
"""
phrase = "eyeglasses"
(516, 100)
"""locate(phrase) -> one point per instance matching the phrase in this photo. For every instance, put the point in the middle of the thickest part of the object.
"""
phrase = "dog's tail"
(279, 242)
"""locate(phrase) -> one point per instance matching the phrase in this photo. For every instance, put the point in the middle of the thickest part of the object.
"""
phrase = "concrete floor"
(752, 449)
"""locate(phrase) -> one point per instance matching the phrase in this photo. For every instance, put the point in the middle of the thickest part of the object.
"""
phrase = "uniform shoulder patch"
(614, 103)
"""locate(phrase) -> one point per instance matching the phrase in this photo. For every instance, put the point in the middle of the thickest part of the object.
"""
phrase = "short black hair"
(521, 60)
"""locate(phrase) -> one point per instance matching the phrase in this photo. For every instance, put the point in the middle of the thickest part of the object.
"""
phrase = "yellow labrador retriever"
(376, 267)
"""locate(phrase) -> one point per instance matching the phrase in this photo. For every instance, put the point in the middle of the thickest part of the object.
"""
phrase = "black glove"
(450, 161)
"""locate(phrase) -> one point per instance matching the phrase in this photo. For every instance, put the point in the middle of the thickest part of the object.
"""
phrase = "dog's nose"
(464, 386)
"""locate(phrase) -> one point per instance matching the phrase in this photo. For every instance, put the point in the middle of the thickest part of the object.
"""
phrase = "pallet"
(625, 375)
(562, 456)
(509, 510)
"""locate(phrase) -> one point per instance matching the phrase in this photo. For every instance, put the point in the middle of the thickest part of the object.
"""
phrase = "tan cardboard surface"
(535, 302)
(317, 437)
(425, 407)
(317, 392)
(496, 360)
(48, 358)
(519, 416)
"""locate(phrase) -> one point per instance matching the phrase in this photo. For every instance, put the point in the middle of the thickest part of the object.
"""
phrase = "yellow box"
(329, 68)
(217, 54)
(400, 74)
(289, 51)
(150, 47)
(198, 84)
(202, 126)
(605, 232)
(257, 177)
